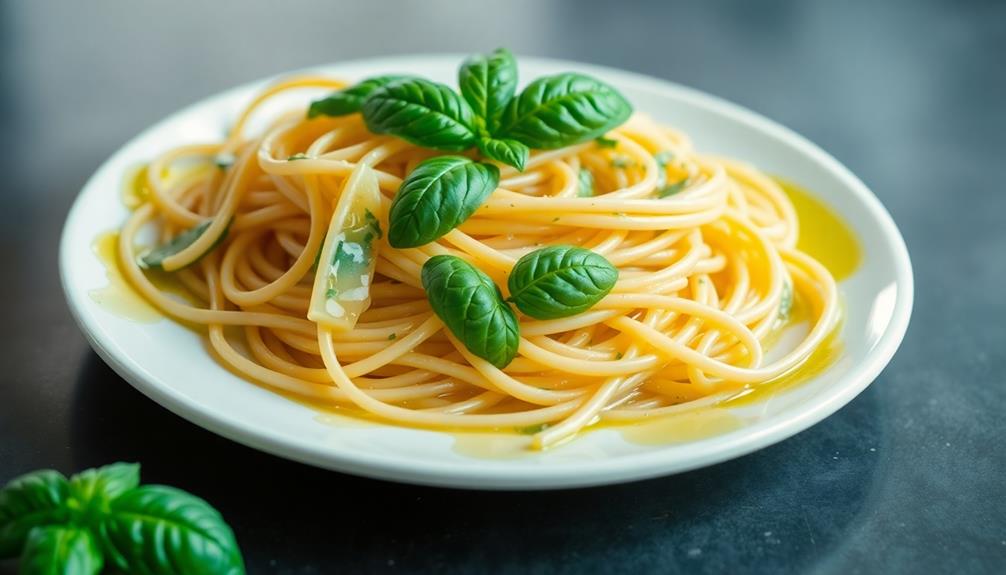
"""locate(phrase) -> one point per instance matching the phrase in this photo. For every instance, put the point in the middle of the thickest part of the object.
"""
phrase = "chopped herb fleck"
(671, 189)
(585, 187)
(392, 337)
(555, 219)
(619, 355)
(224, 161)
(603, 142)
(298, 156)
(621, 162)
(533, 429)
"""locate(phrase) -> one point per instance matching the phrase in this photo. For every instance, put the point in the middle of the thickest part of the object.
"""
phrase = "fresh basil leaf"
(156, 529)
(509, 152)
(488, 83)
(671, 189)
(585, 188)
(31, 500)
(472, 307)
(92, 491)
(560, 281)
(562, 110)
(425, 113)
(349, 100)
(60, 550)
(436, 197)
(155, 257)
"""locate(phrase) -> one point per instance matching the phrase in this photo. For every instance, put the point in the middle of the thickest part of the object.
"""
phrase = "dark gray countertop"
(909, 478)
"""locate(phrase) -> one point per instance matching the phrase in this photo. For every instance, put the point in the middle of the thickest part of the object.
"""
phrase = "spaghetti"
(705, 249)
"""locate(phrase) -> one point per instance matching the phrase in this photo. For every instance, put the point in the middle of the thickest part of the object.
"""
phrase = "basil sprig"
(560, 281)
(103, 517)
(551, 112)
(472, 307)
(436, 197)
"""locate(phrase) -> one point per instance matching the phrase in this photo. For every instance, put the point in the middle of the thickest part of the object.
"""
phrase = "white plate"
(170, 364)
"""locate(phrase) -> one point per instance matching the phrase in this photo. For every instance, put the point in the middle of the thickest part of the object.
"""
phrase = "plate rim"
(632, 467)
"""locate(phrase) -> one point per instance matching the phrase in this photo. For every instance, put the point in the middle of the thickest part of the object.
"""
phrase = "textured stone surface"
(908, 478)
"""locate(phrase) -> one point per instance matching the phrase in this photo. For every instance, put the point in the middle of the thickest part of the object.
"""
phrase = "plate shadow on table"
(794, 502)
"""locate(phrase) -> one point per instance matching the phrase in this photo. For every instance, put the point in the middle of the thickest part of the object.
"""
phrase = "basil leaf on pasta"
(472, 307)
(436, 197)
(560, 281)
(563, 110)
(488, 83)
(422, 112)
(349, 100)
(510, 152)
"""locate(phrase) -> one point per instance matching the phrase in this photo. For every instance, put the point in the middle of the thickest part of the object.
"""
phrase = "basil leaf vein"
(560, 281)
(488, 83)
(437, 196)
(424, 113)
(563, 110)
(472, 307)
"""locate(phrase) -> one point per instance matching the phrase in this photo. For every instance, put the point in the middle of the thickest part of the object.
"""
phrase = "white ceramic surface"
(170, 365)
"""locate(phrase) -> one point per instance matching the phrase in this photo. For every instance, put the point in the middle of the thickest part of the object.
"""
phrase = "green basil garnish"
(35, 499)
(425, 113)
(436, 197)
(103, 517)
(585, 183)
(472, 307)
(58, 549)
(167, 530)
(603, 142)
(563, 110)
(560, 281)
(349, 100)
(488, 83)
(155, 257)
(510, 152)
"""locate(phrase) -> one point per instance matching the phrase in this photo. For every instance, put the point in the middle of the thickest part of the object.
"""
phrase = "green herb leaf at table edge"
(424, 113)
(509, 152)
(488, 83)
(155, 257)
(59, 550)
(472, 307)
(560, 281)
(563, 110)
(349, 100)
(585, 183)
(31, 500)
(159, 529)
(92, 490)
(437, 196)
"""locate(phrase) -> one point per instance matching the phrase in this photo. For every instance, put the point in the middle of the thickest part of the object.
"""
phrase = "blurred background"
(910, 95)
